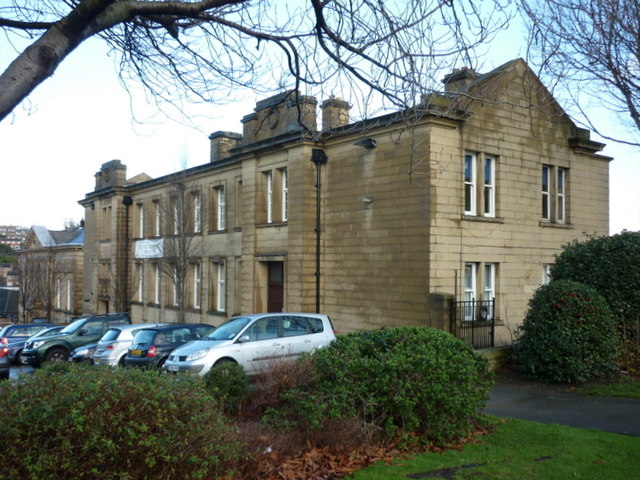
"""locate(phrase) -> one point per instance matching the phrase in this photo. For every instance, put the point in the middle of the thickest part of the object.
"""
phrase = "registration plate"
(172, 368)
(136, 352)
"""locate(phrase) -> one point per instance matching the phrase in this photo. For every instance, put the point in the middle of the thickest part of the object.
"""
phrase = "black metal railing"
(474, 322)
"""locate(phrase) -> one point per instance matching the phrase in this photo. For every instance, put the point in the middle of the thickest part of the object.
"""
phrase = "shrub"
(84, 422)
(612, 266)
(568, 335)
(228, 384)
(609, 264)
(396, 381)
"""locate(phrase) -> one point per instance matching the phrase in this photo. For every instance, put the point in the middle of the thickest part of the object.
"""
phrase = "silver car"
(254, 342)
(113, 345)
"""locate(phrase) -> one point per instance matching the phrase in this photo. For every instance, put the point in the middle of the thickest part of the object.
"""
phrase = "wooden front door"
(275, 287)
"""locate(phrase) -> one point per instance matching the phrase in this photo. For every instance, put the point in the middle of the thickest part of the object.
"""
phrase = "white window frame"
(546, 273)
(546, 192)
(561, 182)
(489, 191)
(220, 286)
(489, 286)
(469, 173)
(140, 220)
(197, 212)
(197, 283)
(174, 286)
(140, 273)
(221, 219)
(176, 217)
(269, 193)
(158, 218)
(469, 285)
(285, 194)
(156, 284)
(68, 288)
(489, 282)
(58, 292)
(554, 194)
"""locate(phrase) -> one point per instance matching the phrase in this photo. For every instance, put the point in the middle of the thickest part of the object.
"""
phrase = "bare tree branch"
(188, 51)
(590, 51)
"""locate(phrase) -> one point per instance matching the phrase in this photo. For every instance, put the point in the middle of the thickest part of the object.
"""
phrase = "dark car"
(84, 331)
(15, 348)
(152, 346)
(5, 363)
(21, 331)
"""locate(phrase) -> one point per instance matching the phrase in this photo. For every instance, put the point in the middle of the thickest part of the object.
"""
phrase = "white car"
(254, 342)
(113, 345)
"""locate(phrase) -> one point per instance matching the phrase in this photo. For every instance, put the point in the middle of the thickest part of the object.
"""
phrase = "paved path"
(517, 398)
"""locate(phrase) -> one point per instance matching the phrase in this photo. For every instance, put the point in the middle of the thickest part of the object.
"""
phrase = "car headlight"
(37, 344)
(197, 355)
(83, 352)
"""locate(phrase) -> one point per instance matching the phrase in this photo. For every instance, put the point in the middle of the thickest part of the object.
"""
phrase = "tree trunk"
(41, 58)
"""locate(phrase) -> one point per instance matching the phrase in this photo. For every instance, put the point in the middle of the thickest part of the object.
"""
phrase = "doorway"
(275, 287)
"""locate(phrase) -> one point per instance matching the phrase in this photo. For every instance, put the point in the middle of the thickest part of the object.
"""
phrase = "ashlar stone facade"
(376, 223)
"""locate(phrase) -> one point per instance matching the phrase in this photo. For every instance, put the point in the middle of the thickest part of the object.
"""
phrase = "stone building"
(50, 267)
(384, 222)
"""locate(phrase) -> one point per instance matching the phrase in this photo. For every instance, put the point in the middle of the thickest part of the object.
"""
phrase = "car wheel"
(121, 361)
(56, 355)
(224, 364)
(18, 358)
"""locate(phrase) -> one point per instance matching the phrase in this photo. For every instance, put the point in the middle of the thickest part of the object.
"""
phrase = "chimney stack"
(111, 174)
(335, 113)
(221, 143)
(459, 78)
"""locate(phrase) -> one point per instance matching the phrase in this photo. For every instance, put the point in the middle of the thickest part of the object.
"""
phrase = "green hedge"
(93, 423)
(609, 264)
(568, 335)
(397, 381)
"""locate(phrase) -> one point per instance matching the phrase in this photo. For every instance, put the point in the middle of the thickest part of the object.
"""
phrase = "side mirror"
(83, 331)
(244, 339)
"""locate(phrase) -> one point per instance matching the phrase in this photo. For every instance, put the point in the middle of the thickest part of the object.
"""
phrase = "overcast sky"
(81, 118)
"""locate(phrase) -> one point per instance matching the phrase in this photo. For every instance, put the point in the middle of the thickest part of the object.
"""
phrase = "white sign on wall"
(149, 248)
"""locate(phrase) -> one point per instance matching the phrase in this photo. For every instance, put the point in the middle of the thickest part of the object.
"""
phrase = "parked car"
(83, 354)
(5, 362)
(15, 348)
(21, 331)
(254, 342)
(152, 346)
(84, 331)
(113, 346)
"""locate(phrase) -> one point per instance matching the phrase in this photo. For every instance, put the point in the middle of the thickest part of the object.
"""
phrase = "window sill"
(217, 232)
(565, 226)
(477, 218)
(217, 313)
(273, 224)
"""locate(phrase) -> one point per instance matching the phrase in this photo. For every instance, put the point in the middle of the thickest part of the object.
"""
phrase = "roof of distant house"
(52, 238)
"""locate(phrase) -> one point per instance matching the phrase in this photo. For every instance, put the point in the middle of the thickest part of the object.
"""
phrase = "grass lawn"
(523, 450)
(622, 386)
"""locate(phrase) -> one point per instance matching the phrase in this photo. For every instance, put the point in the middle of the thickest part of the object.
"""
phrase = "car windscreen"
(230, 329)
(72, 327)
